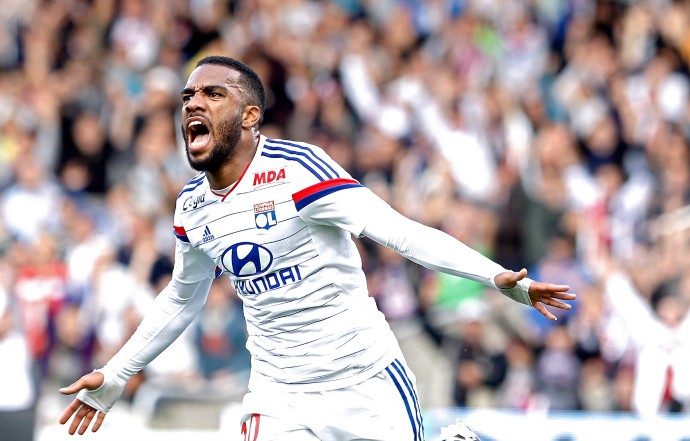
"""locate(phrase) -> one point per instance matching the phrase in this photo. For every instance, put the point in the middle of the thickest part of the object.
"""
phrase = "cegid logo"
(246, 259)
(267, 177)
(193, 202)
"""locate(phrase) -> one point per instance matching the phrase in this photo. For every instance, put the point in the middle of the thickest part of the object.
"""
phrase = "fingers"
(545, 312)
(78, 417)
(541, 287)
(83, 415)
(547, 294)
(69, 411)
(564, 295)
(557, 304)
(99, 422)
(87, 420)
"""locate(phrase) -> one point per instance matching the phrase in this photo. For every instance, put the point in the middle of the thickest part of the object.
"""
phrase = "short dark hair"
(248, 79)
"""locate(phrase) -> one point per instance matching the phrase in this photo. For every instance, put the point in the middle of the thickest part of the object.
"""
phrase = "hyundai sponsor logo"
(246, 259)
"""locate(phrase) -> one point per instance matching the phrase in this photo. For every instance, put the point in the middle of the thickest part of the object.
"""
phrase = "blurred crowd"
(547, 134)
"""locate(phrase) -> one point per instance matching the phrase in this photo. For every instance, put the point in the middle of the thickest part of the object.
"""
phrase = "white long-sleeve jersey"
(283, 234)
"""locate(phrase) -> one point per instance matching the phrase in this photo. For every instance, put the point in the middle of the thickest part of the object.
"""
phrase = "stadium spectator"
(656, 324)
(481, 361)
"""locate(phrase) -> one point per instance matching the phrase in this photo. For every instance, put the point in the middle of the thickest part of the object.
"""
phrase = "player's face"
(211, 116)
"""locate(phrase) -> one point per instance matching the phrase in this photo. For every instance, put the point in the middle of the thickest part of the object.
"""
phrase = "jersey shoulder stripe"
(192, 184)
(308, 149)
(315, 192)
(180, 233)
(306, 157)
(290, 158)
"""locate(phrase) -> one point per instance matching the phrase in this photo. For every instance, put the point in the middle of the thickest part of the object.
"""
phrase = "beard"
(225, 140)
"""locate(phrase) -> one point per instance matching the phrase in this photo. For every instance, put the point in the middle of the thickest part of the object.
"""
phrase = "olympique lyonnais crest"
(265, 215)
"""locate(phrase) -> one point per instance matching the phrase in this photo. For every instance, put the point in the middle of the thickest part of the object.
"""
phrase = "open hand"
(83, 413)
(539, 292)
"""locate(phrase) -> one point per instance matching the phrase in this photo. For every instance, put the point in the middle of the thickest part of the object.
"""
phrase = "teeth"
(195, 123)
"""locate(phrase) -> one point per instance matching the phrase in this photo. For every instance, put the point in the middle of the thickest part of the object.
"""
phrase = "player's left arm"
(439, 251)
(349, 205)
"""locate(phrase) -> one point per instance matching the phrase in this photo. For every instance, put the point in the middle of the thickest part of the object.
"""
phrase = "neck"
(231, 171)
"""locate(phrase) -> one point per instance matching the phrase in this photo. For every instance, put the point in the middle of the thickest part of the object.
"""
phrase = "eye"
(214, 95)
(186, 98)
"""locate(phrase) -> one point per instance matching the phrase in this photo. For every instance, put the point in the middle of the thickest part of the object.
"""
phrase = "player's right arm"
(172, 311)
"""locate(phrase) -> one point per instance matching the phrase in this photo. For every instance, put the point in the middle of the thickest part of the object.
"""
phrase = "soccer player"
(277, 217)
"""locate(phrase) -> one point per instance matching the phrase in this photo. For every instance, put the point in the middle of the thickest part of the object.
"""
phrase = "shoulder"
(197, 181)
(192, 194)
(308, 158)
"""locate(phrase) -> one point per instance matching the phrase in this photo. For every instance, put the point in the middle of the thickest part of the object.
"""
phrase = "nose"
(195, 102)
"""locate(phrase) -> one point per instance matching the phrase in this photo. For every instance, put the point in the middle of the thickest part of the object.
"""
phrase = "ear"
(250, 116)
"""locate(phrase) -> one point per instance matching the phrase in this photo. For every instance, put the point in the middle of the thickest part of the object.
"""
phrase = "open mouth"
(198, 133)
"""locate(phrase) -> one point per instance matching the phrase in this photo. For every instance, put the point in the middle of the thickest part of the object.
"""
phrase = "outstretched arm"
(439, 251)
(173, 310)
(346, 204)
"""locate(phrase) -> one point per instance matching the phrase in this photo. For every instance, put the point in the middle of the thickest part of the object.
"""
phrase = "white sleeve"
(171, 313)
(341, 203)
(348, 205)
(191, 264)
(438, 251)
(431, 248)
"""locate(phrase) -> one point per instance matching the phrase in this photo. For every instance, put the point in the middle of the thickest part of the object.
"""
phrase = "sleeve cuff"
(106, 395)
(520, 292)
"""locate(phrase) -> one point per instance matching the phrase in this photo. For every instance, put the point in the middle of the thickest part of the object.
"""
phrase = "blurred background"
(547, 134)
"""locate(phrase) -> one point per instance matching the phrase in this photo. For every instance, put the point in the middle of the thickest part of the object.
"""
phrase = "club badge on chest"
(265, 215)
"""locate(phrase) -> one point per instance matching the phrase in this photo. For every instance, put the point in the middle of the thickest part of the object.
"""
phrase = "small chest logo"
(266, 177)
(192, 202)
(265, 215)
(208, 236)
